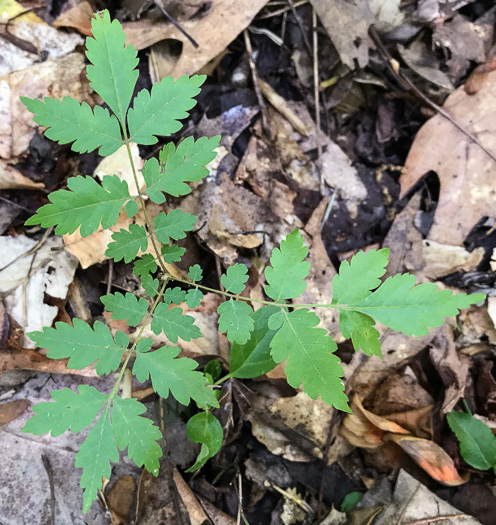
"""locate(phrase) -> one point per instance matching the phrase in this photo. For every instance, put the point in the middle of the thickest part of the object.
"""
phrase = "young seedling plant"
(277, 331)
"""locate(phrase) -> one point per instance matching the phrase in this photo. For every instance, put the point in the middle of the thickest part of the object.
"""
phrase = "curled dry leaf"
(465, 170)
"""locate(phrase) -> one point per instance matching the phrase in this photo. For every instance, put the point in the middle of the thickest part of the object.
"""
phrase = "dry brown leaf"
(120, 499)
(78, 17)
(214, 29)
(468, 187)
(12, 179)
(12, 410)
(196, 513)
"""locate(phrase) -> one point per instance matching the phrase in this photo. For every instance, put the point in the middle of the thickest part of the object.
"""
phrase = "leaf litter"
(339, 186)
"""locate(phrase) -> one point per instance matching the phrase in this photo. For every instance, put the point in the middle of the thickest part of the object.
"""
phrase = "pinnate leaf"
(175, 375)
(173, 225)
(180, 165)
(195, 273)
(69, 121)
(234, 280)
(287, 273)
(412, 310)
(204, 428)
(235, 320)
(358, 278)
(69, 410)
(113, 74)
(174, 324)
(127, 243)
(477, 442)
(94, 457)
(158, 112)
(145, 265)
(360, 328)
(137, 433)
(194, 298)
(83, 345)
(125, 307)
(86, 204)
(172, 253)
(310, 359)
(253, 358)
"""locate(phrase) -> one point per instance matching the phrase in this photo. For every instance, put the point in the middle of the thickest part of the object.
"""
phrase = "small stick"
(48, 467)
(316, 93)
(301, 26)
(405, 80)
(256, 83)
(175, 24)
(110, 275)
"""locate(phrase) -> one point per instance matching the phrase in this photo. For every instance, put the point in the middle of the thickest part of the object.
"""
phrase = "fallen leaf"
(464, 169)
(120, 499)
(12, 179)
(12, 410)
(78, 17)
(195, 511)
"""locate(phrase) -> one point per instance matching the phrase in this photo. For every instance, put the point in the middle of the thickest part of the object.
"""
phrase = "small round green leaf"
(204, 428)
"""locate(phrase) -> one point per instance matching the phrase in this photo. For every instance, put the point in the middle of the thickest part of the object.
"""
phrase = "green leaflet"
(86, 205)
(137, 433)
(412, 310)
(194, 298)
(286, 276)
(310, 359)
(172, 253)
(175, 375)
(158, 112)
(477, 442)
(145, 265)
(174, 225)
(69, 410)
(234, 280)
(195, 273)
(356, 279)
(125, 307)
(113, 74)
(69, 121)
(180, 165)
(94, 457)
(235, 320)
(174, 324)
(253, 358)
(205, 428)
(83, 345)
(174, 295)
(360, 328)
(127, 243)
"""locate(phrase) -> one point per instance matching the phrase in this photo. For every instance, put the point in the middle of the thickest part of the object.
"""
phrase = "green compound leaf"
(194, 298)
(137, 433)
(158, 112)
(360, 328)
(113, 74)
(310, 359)
(83, 345)
(150, 285)
(125, 307)
(69, 410)
(195, 273)
(234, 280)
(94, 457)
(145, 265)
(477, 442)
(356, 279)
(204, 428)
(412, 310)
(179, 166)
(236, 321)
(286, 276)
(173, 225)
(174, 324)
(175, 375)
(86, 204)
(69, 121)
(172, 253)
(253, 358)
(174, 295)
(127, 243)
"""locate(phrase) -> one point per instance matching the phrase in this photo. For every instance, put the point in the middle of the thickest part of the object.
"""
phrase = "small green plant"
(277, 331)
(477, 442)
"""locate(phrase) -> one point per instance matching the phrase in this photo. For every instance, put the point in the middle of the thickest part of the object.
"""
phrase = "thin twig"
(282, 11)
(110, 275)
(301, 26)
(316, 93)
(48, 467)
(175, 24)
(256, 83)
(16, 205)
(405, 80)
(427, 521)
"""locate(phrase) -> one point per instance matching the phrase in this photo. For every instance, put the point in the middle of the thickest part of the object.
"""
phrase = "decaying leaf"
(468, 188)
